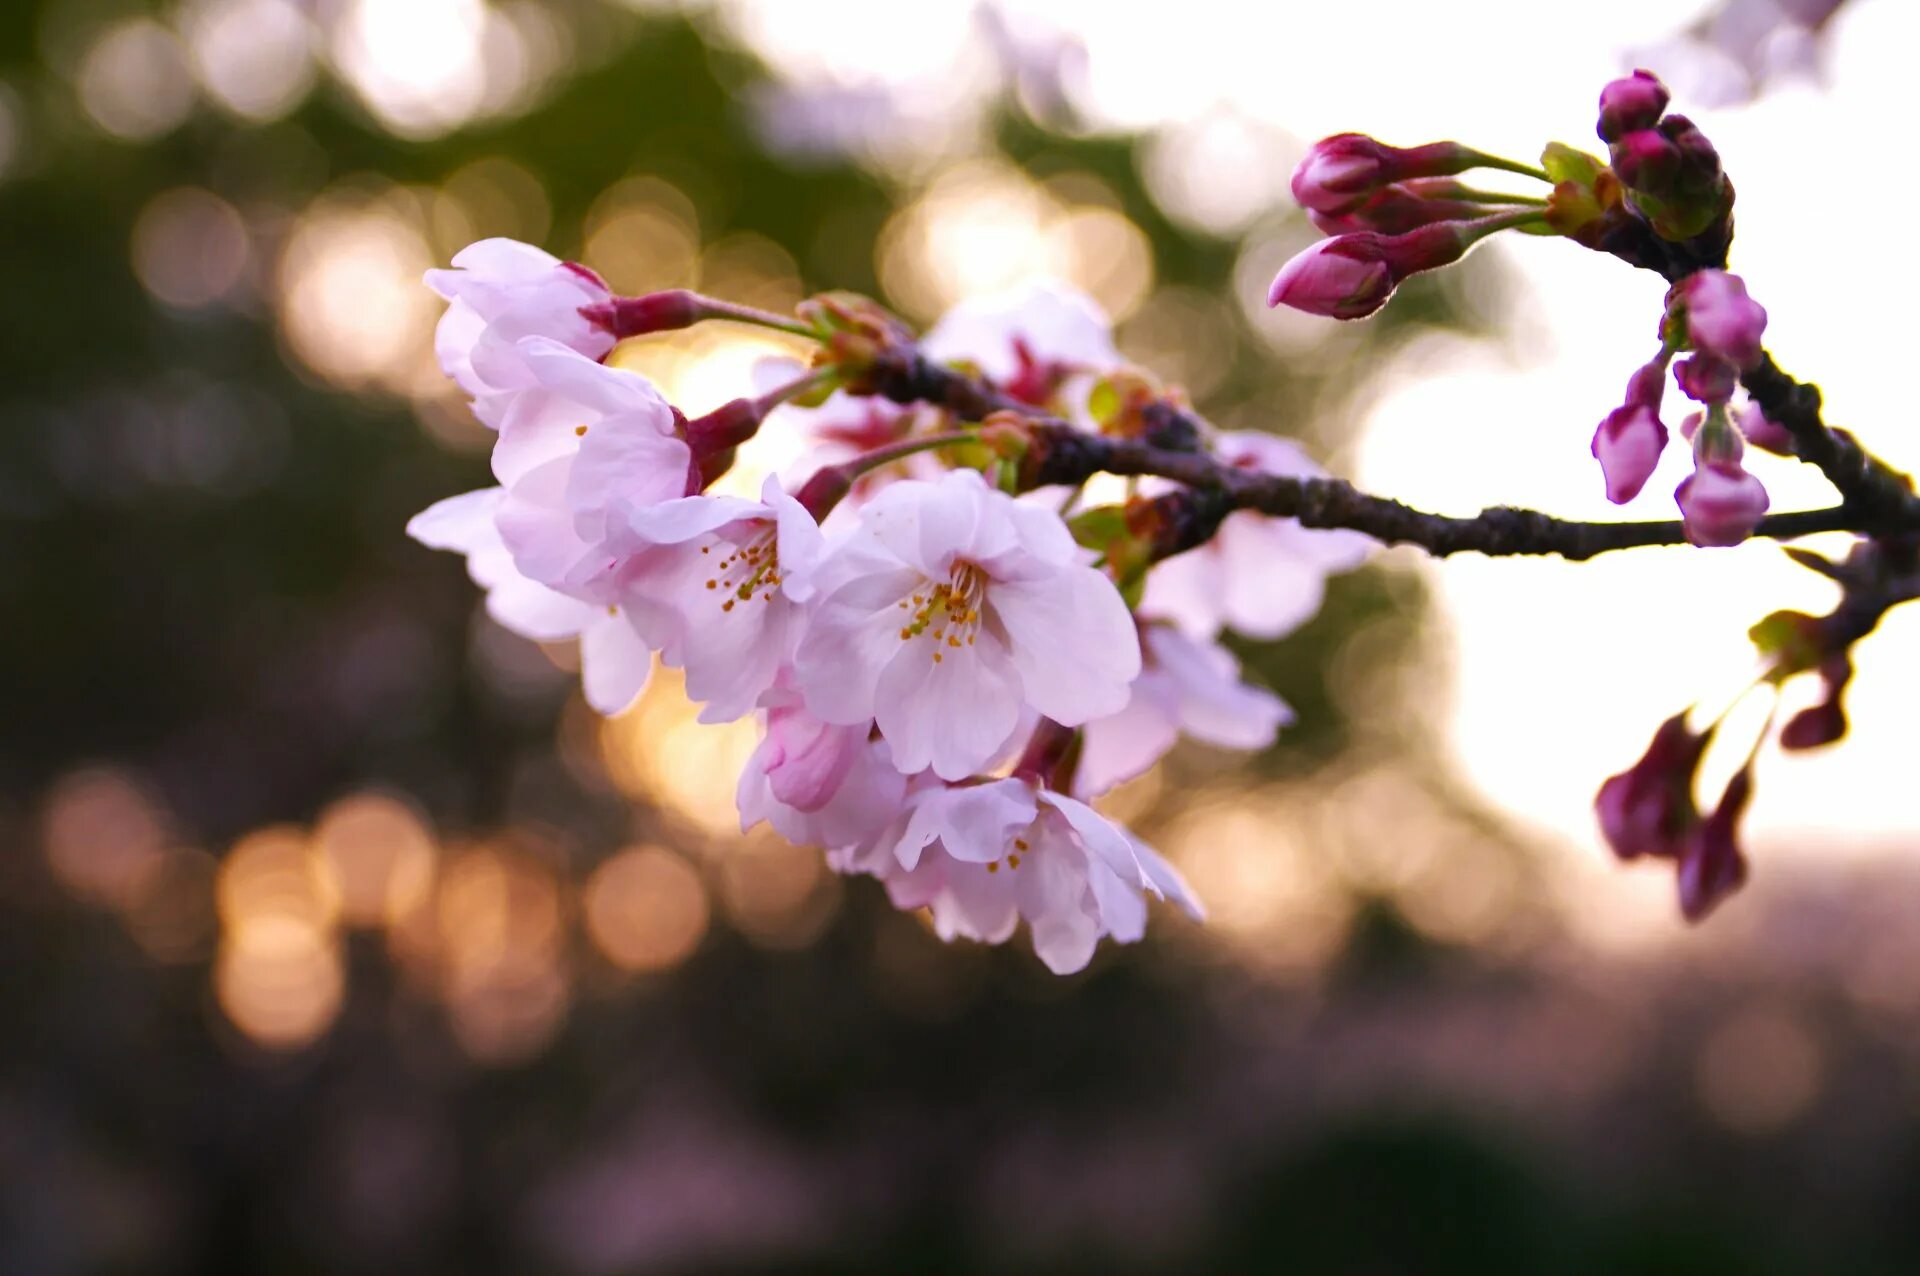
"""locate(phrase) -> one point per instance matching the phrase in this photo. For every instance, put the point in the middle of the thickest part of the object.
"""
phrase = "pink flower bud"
(1645, 160)
(1648, 809)
(1404, 206)
(1720, 502)
(1630, 103)
(1721, 318)
(807, 759)
(1340, 172)
(1351, 276)
(1628, 446)
(1763, 431)
(1706, 378)
(1826, 722)
(654, 312)
(1711, 866)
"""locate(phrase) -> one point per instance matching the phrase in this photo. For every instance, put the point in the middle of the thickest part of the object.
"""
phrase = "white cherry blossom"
(949, 610)
(502, 291)
(1187, 686)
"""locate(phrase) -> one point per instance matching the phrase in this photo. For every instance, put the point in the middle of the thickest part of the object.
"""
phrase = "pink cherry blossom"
(614, 663)
(1264, 577)
(580, 449)
(718, 584)
(1763, 431)
(1329, 279)
(819, 784)
(502, 291)
(1042, 330)
(1186, 686)
(983, 857)
(949, 610)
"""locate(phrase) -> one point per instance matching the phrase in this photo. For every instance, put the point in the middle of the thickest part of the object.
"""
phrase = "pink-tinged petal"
(614, 665)
(1055, 899)
(502, 259)
(530, 609)
(1042, 532)
(462, 523)
(801, 545)
(535, 525)
(1213, 704)
(731, 663)
(1123, 911)
(808, 758)
(948, 708)
(1100, 836)
(680, 520)
(595, 387)
(926, 525)
(854, 632)
(537, 427)
(619, 473)
(976, 904)
(1054, 321)
(1072, 640)
(976, 824)
(1266, 594)
(453, 341)
(1186, 590)
(1116, 748)
(1165, 881)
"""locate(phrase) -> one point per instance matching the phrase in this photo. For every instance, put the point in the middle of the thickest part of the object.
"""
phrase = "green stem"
(715, 308)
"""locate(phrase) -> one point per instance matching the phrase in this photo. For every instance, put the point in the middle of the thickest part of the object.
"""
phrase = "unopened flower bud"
(1351, 276)
(1340, 172)
(1706, 378)
(1648, 809)
(1825, 722)
(1401, 207)
(1720, 503)
(1711, 865)
(1646, 161)
(1630, 103)
(1721, 318)
(654, 312)
(1628, 446)
(1762, 430)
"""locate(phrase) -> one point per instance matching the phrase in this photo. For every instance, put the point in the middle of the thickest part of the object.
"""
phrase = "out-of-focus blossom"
(1648, 809)
(1762, 431)
(1041, 330)
(1711, 865)
(1187, 686)
(950, 609)
(1263, 577)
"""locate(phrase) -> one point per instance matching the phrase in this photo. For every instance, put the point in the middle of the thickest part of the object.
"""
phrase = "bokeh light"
(190, 248)
(133, 81)
(645, 908)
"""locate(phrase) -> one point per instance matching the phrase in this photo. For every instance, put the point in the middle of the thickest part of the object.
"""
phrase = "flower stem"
(830, 483)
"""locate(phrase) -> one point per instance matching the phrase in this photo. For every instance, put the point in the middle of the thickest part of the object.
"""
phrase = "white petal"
(614, 665)
(852, 634)
(462, 523)
(1073, 641)
(948, 708)
(975, 823)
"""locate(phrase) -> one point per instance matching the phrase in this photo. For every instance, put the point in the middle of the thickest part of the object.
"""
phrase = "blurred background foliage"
(337, 934)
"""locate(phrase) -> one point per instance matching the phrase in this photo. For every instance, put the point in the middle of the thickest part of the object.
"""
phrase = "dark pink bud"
(1706, 378)
(1763, 431)
(1628, 446)
(727, 426)
(653, 312)
(1826, 722)
(1351, 276)
(1711, 866)
(1720, 503)
(1340, 172)
(1397, 209)
(1630, 103)
(1721, 318)
(1648, 809)
(1645, 160)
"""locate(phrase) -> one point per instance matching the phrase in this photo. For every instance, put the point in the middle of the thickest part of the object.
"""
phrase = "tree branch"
(1064, 454)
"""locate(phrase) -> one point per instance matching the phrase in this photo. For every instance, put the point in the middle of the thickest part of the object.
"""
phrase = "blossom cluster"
(944, 677)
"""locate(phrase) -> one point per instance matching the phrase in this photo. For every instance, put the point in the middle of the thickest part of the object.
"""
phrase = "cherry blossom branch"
(1063, 454)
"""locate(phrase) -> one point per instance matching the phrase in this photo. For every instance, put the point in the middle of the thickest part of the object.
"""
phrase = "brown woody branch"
(1878, 500)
